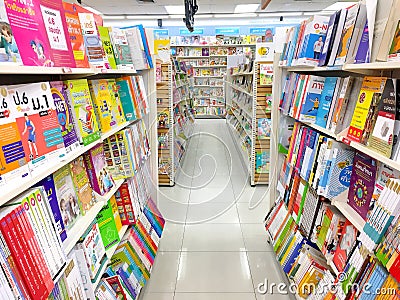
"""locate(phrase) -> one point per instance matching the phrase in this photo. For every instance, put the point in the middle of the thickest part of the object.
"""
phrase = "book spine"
(91, 173)
(10, 277)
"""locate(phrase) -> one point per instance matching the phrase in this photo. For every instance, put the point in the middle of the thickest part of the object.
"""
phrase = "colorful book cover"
(96, 167)
(107, 46)
(163, 141)
(126, 97)
(83, 189)
(9, 52)
(394, 52)
(268, 102)
(381, 139)
(264, 128)
(313, 42)
(93, 46)
(346, 244)
(121, 48)
(163, 119)
(13, 161)
(117, 112)
(371, 89)
(363, 52)
(64, 116)
(82, 108)
(326, 100)
(66, 196)
(102, 104)
(266, 74)
(362, 183)
(107, 226)
(262, 162)
(312, 100)
(330, 35)
(75, 35)
(33, 107)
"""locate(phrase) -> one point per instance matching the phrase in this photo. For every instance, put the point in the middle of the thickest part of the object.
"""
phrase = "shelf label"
(161, 32)
(227, 30)
(185, 31)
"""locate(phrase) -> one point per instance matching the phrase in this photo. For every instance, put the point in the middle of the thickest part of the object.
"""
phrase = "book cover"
(64, 116)
(338, 111)
(396, 129)
(266, 74)
(96, 167)
(163, 119)
(121, 49)
(107, 47)
(371, 89)
(313, 42)
(66, 196)
(336, 40)
(9, 53)
(381, 139)
(262, 162)
(136, 49)
(73, 280)
(33, 107)
(82, 108)
(363, 52)
(330, 35)
(309, 108)
(268, 102)
(326, 100)
(81, 182)
(362, 183)
(75, 35)
(13, 161)
(78, 256)
(394, 52)
(117, 112)
(264, 128)
(107, 226)
(126, 97)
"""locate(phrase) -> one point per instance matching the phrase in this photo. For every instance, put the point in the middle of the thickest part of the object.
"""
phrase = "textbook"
(9, 53)
(326, 100)
(107, 47)
(312, 99)
(122, 53)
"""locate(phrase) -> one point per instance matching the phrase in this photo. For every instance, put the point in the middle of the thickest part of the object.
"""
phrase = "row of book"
(241, 134)
(332, 263)
(216, 40)
(62, 34)
(48, 120)
(372, 120)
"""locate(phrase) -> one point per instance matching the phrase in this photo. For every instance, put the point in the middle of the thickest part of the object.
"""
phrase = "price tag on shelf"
(104, 71)
(346, 141)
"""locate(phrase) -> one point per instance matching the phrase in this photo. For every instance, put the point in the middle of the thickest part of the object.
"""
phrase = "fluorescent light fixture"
(320, 13)
(339, 5)
(247, 15)
(282, 14)
(95, 11)
(246, 8)
(175, 9)
(177, 16)
(205, 16)
(105, 17)
(146, 17)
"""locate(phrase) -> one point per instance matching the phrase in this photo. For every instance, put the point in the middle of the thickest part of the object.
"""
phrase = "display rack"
(174, 102)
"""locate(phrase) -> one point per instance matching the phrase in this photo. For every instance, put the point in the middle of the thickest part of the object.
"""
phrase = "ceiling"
(132, 7)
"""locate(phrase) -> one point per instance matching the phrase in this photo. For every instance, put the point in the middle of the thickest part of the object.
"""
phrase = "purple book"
(64, 116)
(362, 183)
(362, 55)
(49, 187)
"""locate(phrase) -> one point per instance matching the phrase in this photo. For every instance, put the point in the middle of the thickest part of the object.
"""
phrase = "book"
(64, 116)
(75, 35)
(326, 100)
(97, 170)
(33, 107)
(66, 196)
(107, 46)
(329, 39)
(122, 53)
(264, 128)
(394, 52)
(312, 99)
(82, 108)
(73, 280)
(362, 183)
(107, 226)
(266, 74)
(371, 90)
(78, 257)
(117, 112)
(163, 119)
(262, 162)
(9, 53)
(126, 97)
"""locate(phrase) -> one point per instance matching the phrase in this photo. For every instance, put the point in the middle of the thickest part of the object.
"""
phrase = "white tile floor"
(214, 245)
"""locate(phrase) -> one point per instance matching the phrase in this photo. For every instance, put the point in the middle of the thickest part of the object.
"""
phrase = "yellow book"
(117, 218)
(101, 99)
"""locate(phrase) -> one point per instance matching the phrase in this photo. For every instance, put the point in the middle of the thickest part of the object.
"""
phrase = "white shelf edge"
(350, 214)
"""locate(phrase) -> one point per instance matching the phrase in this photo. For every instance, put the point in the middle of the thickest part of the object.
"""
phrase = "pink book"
(40, 31)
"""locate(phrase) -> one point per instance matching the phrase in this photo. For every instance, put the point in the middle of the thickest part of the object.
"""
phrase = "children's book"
(268, 102)
(262, 162)
(107, 226)
(78, 255)
(121, 48)
(264, 128)
(96, 167)
(73, 280)
(126, 97)
(35, 113)
(13, 161)
(66, 196)
(75, 35)
(362, 183)
(266, 74)
(325, 101)
(82, 108)
(82, 185)
(163, 119)
(117, 112)
(163, 141)
(64, 115)
(9, 53)
(107, 46)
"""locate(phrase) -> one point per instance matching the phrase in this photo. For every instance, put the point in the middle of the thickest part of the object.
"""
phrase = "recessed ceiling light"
(339, 5)
(95, 11)
(175, 9)
(176, 16)
(248, 15)
(113, 17)
(246, 8)
(146, 17)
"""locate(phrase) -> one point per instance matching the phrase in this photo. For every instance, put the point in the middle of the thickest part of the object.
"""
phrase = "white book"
(383, 11)
(389, 31)
(78, 255)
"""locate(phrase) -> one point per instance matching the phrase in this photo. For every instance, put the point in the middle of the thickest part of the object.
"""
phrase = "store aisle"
(214, 245)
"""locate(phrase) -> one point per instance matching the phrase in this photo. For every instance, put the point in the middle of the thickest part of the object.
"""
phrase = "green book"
(126, 98)
(107, 46)
(108, 228)
(282, 236)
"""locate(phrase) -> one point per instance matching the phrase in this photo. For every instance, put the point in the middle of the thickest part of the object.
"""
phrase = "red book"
(156, 212)
(125, 206)
(145, 236)
(395, 269)
(43, 269)
(13, 267)
(136, 237)
(346, 243)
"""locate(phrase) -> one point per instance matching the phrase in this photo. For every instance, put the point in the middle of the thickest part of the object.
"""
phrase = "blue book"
(125, 279)
(292, 46)
(313, 146)
(126, 98)
(312, 100)
(145, 45)
(326, 100)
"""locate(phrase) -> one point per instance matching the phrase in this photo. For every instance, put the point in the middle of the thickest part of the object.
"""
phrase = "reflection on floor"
(214, 246)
